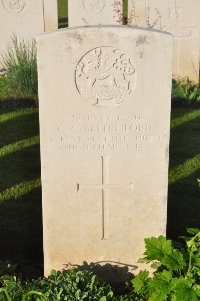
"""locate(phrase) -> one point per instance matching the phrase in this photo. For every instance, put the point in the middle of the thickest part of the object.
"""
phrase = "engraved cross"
(104, 187)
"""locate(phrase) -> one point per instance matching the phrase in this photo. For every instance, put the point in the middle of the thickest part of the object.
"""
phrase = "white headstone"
(104, 128)
(94, 12)
(26, 19)
(179, 17)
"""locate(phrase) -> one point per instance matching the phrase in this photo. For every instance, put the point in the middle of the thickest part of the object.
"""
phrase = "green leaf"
(161, 286)
(158, 296)
(196, 288)
(157, 248)
(53, 273)
(34, 293)
(155, 265)
(184, 291)
(140, 281)
(161, 280)
(144, 260)
(174, 261)
(196, 260)
(5, 293)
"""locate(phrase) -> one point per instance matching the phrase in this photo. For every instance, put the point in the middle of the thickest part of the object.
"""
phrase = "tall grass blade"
(20, 63)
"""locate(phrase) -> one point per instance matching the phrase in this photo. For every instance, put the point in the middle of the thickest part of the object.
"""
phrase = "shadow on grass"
(10, 104)
(182, 112)
(20, 166)
(183, 206)
(184, 193)
(18, 127)
(21, 227)
(184, 142)
(21, 211)
(20, 190)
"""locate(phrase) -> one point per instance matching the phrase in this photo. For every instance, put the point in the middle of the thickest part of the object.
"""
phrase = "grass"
(184, 193)
(3, 88)
(21, 69)
(20, 187)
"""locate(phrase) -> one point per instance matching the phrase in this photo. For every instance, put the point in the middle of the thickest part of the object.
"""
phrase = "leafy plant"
(177, 275)
(21, 69)
(176, 278)
(186, 90)
(73, 285)
(14, 290)
(69, 285)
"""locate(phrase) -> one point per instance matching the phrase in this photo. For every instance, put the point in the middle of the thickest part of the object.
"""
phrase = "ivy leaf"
(157, 248)
(174, 261)
(184, 291)
(140, 281)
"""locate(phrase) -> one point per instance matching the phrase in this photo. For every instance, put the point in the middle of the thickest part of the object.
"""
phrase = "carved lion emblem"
(94, 6)
(14, 5)
(105, 77)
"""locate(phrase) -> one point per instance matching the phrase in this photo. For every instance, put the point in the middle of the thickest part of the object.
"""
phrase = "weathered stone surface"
(180, 18)
(26, 19)
(104, 126)
(94, 12)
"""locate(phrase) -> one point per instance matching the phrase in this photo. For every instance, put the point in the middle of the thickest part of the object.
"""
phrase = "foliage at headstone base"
(69, 285)
(72, 285)
(176, 278)
(177, 275)
(20, 64)
(12, 289)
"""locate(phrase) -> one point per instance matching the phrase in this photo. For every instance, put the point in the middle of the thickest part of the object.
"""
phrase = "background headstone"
(104, 128)
(26, 19)
(180, 18)
(94, 12)
(51, 14)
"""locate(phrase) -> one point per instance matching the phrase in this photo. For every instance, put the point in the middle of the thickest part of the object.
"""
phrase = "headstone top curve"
(102, 28)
